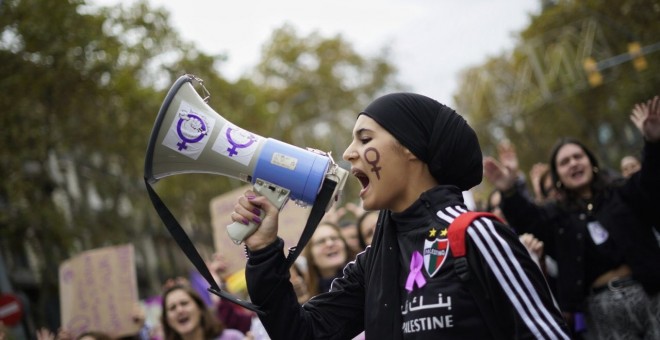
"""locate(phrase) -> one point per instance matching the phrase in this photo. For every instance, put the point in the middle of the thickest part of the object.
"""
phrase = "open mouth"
(361, 176)
(577, 174)
(183, 320)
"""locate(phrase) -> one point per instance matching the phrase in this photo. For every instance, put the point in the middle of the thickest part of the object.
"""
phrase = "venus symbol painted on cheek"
(374, 160)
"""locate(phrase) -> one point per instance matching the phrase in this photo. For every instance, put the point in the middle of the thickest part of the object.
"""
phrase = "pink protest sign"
(98, 291)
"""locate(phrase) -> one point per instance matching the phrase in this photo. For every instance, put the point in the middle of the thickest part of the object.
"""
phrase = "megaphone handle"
(277, 195)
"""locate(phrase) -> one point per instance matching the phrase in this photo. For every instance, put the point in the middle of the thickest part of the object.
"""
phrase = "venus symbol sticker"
(189, 132)
(236, 143)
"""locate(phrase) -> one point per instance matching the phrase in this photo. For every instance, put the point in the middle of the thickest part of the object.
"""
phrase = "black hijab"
(434, 133)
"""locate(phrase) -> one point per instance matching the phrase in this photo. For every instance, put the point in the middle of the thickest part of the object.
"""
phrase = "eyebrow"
(361, 131)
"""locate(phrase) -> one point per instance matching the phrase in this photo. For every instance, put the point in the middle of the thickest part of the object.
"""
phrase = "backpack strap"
(458, 228)
(458, 246)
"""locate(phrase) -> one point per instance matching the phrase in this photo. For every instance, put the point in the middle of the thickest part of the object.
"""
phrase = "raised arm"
(337, 314)
(524, 215)
(642, 190)
(248, 209)
(269, 286)
(646, 117)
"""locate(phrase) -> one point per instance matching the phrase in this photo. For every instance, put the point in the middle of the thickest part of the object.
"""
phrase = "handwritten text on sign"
(98, 290)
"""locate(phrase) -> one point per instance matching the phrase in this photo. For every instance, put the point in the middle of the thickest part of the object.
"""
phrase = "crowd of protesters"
(592, 230)
(598, 226)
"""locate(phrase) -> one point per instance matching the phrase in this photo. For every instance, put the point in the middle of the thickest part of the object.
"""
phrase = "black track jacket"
(371, 295)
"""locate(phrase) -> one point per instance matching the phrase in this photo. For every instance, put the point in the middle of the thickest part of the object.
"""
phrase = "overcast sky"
(431, 40)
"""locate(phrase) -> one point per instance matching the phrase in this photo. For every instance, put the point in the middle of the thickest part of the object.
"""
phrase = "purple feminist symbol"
(232, 151)
(201, 129)
(374, 161)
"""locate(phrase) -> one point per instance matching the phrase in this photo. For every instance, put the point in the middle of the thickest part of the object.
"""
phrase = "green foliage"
(539, 91)
(79, 85)
(315, 86)
(82, 86)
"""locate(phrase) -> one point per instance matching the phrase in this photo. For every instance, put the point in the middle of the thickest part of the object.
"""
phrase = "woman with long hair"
(185, 316)
(600, 232)
(326, 254)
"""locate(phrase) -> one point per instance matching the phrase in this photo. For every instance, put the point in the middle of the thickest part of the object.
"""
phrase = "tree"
(82, 87)
(539, 91)
(315, 87)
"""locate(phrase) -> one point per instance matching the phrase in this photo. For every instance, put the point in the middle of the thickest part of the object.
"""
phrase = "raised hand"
(44, 333)
(248, 208)
(499, 175)
(535, 174)
(534, 246)
(507, 155)
(646, 117)
(334, 214)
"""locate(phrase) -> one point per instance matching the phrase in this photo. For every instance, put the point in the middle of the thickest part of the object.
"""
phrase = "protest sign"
(98, 291)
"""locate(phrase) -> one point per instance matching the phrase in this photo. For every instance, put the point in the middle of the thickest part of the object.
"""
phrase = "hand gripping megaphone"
(190, 137)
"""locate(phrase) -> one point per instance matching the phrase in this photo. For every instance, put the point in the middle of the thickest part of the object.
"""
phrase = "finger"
(655, 105)
(540, 244)
(490, 163)
(534, 243)
(261, 203)
(244, 211)
(241, 217)
(637, 110)
(505, 146)
(244, 203)
(492, 173)
(637, 120)
(638, 113)
(525, 238)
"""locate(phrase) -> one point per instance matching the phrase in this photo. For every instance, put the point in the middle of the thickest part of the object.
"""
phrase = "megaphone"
(190, 137)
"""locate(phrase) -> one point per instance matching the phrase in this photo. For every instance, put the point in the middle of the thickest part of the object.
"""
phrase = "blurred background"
(81, 84)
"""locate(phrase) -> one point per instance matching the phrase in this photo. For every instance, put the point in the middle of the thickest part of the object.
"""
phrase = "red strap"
(457, 229)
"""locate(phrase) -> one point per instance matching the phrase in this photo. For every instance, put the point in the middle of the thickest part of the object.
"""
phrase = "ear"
(411, 156)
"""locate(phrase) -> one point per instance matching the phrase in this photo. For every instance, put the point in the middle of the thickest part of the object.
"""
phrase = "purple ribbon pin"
(416, 275)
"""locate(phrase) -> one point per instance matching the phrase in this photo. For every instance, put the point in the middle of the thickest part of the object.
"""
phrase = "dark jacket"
(627, 211)
(371, 296)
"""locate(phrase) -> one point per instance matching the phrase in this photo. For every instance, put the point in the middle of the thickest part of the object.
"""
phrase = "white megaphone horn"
(190, 137)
